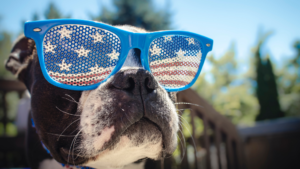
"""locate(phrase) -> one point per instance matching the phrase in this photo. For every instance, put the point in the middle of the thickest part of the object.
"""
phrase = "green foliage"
(140, 13)
(229, 92)
(52, 13)
(266, 89)
(289, 82)
(11, 98)
(5, 47)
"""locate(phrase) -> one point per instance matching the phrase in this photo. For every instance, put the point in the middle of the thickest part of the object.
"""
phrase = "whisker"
(61, 135)
(68, 127)
(72, 99)
(78, 155)
(127, 117)
(189, 104)
(66, 112)
(75, 129)
(184, 143)
(190, 133)
(72, 143)
(74, 148)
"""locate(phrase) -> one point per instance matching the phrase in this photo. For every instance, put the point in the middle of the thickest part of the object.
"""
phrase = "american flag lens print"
(175, 59)
(80, 55)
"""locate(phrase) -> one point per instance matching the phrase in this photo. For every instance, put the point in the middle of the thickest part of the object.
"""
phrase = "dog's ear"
(20, 56)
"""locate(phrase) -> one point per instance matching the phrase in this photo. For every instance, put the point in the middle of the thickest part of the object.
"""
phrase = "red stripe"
(176, 82)
(172, 64)
(84, 76)
(175, 72)
(81, 83)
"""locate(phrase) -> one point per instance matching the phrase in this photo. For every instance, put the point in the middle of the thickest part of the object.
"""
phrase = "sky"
(226, 22)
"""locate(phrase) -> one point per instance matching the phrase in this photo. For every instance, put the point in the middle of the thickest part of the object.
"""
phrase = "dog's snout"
(135, 81)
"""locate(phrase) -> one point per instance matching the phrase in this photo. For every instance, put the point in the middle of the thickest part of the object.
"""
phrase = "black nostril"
(130, 84)
(135, 81)
(149, 85)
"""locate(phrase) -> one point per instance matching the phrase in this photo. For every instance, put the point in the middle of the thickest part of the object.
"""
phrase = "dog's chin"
(142, 139)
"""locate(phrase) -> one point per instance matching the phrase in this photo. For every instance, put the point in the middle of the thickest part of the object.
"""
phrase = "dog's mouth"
(138, 133)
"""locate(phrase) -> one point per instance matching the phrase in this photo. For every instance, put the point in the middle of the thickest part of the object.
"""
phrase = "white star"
(97, 37)
(96, 69)
(49, 47)
(82, 52)
(190, 40)
(65, 33)
(64, 66)
(155, 50)
(113, 55)
(168, 38)
(180, 54)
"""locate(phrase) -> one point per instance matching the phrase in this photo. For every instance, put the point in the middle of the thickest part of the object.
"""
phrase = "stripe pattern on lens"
(80, 55)
(175, 59)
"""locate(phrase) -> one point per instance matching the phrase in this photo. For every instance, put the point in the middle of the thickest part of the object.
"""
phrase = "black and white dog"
(127, 118)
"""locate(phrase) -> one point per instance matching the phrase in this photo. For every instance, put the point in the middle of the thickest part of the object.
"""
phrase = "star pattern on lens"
(168, 38)
(96, 69)
(82, 52)
(155, 50)
(82, 55)
(178, 62)
(65, 33)
(49, 47)
(64, 66)
(180, 54)
(113, 55)
(191, 41)
(98, 37)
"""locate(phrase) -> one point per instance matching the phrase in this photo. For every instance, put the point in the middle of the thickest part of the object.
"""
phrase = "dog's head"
(127, 118)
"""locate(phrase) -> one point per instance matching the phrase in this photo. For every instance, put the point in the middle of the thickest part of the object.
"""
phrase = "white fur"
(16, 54)
(103, 138)
(50, 164)
(125, 153)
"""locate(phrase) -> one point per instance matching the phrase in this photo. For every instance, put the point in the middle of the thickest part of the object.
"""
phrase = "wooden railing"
(218, 131)
(12, 149)
(5, 87)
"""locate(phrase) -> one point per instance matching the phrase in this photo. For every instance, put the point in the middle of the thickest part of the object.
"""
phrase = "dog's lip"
(129, 126)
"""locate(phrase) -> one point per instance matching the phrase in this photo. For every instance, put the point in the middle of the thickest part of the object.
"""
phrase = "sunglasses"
(80, 55)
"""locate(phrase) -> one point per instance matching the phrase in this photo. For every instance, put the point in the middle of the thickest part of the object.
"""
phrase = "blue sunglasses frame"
(36, 30)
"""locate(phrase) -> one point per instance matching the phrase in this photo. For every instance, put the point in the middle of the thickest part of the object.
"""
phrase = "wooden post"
(5, 120)
(194, 137)
(217, 133)
(206, 142)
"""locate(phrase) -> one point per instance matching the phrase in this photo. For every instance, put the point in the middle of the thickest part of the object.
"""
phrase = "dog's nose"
(136, 81)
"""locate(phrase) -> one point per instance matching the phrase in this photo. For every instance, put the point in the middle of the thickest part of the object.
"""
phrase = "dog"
(127, 118)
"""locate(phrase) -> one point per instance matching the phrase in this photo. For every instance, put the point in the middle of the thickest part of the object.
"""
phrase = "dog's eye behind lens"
(80, 55)
(175, 59)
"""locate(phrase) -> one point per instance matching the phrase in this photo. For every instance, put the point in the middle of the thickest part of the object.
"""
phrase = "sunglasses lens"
(175, 59)
(80, 55)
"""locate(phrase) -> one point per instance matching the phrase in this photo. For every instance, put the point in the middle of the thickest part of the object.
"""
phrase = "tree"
(5, 47)
(140, 13)
(266, 90)
(12, 97)
(228, 90)
(53, 12)
(289, 83)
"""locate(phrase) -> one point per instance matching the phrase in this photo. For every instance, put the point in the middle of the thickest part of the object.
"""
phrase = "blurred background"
(250, 79)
